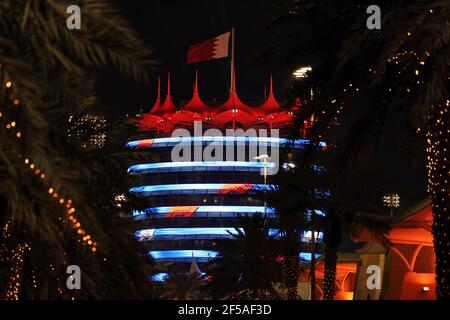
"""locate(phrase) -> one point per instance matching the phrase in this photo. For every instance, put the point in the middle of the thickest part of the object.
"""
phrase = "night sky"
(169, 27)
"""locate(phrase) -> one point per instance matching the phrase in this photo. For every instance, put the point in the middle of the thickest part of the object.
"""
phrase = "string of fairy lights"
(438, 175)
(329, 282)
(290, 274)
(66, 203)
(437, 137)
(14, 260)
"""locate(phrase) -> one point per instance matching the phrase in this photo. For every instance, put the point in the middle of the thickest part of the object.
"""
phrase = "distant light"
(391, 200)
(301, 72)
(262, 157)
(288, 166)
(425, 289)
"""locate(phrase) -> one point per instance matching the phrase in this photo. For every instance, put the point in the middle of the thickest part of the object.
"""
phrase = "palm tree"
(47, 74)
(183, 286)
(404, 66)
(291, 202)
(295, 203)
(246, 267)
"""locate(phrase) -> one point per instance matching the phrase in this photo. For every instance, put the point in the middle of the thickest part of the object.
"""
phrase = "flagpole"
(232, 73)
(232, 61)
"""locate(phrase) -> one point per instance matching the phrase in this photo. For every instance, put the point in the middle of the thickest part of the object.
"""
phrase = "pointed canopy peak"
(168, 84)
(168, 107)
(196, 104)
(196, 81)
(233, 82)
(271, 85)
(233, 102)
(159, 87)
(271, 105)
(157, 104)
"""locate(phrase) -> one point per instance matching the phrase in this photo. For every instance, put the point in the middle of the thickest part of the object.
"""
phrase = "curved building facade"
(196, 200)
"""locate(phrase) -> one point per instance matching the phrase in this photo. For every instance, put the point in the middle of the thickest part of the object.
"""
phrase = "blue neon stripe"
(172, 141)
(200, 255)
(190, 188)
(223, 211)
(183, 254)
(187, 231)
(153, 234)
(192, 165)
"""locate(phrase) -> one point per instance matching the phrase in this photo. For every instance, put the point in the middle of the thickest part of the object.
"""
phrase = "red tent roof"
(153, 122)
(157, 106)
(270, 105)
(166, 116)
(233, 115)
(168, 107)
(234, 103)
(196, 104)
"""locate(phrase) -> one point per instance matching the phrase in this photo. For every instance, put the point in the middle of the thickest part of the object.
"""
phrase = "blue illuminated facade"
(190, 204)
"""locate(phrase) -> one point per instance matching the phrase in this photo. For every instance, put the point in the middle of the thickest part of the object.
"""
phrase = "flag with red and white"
(214, 48)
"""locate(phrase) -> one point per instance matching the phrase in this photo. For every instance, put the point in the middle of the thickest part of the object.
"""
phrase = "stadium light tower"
(301, 72)
(391, 201)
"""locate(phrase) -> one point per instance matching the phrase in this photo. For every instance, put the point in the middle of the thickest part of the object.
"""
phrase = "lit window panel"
(199, 255)
(200, 188)
(191, 233)
(172, 141)
(306, 235)
(203, 211)
(198, 166)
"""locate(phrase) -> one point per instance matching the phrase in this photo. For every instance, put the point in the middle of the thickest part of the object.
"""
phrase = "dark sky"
(169, 27)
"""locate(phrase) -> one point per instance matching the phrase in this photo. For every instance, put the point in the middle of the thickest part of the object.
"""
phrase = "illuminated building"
(87, 131)
(406, 265)
(192, 203)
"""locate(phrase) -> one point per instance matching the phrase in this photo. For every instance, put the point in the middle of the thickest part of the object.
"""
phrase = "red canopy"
(166, 116)
(168, 107)
(234, 103)
(157, 106)
(270, 105)
(196, 104)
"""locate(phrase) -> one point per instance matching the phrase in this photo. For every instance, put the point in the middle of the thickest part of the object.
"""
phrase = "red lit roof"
(157, 106)
(196, 104)
(236, 115)
(166, 116)
(168, 107)
(270, 105)
(234, 103)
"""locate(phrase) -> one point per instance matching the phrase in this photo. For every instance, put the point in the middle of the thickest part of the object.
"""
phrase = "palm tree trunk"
(438, 145)
(330, 271)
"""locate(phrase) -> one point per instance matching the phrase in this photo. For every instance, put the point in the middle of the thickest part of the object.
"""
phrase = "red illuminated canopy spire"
(271, 105)
(234, 103)
(168, 106)
(196, 104)
(157, 106)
